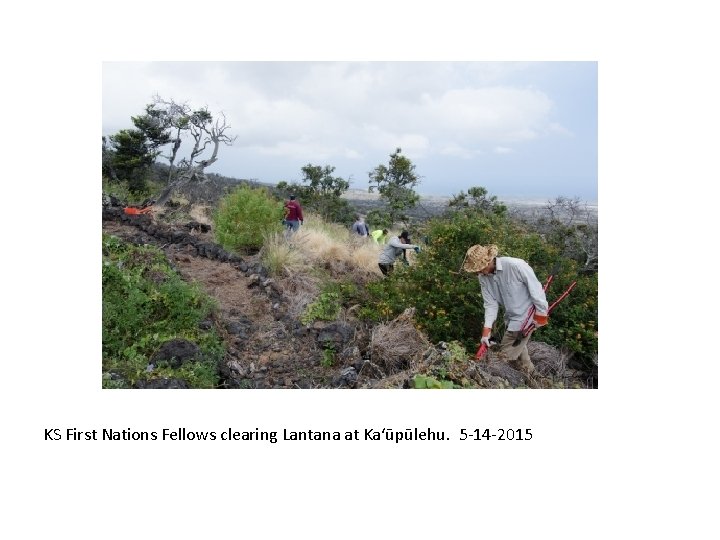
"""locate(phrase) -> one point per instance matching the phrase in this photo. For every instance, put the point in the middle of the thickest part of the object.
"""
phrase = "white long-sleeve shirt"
(393, 249)
(515, 286)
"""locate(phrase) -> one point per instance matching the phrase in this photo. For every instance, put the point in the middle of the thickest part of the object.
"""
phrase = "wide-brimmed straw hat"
(478, 257)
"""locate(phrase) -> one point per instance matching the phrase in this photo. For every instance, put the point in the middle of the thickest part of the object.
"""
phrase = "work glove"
(486, 336)
(539, 320)
(417, 249)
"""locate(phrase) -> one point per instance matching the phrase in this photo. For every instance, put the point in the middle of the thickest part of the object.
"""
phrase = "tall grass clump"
(279, 256)
(245, 216)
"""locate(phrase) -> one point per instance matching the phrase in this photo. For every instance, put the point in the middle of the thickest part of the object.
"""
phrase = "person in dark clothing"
(293, 215)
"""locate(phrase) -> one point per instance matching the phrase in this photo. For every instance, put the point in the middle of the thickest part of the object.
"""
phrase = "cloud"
(363, 106)
(353, 113)
(455, 150)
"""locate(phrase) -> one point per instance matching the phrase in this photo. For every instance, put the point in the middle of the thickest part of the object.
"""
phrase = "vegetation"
(146, 304)
(131, 152)
(334, 274)
(320, 192)
(245, 217)
(395, 184)
(131, 157)
(325, 308)
(448, 302)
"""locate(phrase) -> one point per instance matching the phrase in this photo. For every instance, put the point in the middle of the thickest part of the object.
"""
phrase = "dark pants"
(385, 268)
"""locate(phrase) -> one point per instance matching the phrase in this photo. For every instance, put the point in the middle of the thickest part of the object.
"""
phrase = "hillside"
(268, 347)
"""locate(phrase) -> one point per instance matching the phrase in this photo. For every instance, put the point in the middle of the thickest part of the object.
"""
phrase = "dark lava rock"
(176, 352)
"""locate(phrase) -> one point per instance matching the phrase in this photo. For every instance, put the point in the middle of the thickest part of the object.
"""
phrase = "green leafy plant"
(145, 304)
(326, 308)
(328, 356)
(320, 193)
(396, 184)
(245, 216)
(427, 381)
(448, 303)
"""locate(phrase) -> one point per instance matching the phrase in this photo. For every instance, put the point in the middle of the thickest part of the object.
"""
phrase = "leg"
(516, 355)
(292, 226)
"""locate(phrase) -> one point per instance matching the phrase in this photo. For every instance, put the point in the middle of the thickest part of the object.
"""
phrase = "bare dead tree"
(176, 119)
(564, 209)
(205, 133)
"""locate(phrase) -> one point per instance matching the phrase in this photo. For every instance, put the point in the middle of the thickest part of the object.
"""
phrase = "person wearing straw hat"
(512, 283)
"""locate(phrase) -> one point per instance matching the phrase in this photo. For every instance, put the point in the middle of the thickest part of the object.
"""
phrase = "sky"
(520, 129)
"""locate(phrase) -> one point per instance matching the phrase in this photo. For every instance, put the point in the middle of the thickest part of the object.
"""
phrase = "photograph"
(350, 225)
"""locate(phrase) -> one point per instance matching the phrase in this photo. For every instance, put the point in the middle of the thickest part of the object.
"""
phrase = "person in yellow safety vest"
(379, 236)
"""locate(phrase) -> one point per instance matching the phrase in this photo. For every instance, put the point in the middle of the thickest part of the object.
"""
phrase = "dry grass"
(201, 213)
(333, 247)
(279, 257)
(317, 246)
(398, 345)
(366, 257)
(301, 290)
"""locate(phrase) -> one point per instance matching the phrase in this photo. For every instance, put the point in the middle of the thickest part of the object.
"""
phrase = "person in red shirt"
(293, 215)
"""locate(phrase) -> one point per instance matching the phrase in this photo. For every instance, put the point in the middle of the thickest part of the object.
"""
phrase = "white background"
(630, 459)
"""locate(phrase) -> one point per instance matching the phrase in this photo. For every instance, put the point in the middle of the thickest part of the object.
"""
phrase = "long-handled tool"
(531, 311)
(528, 325)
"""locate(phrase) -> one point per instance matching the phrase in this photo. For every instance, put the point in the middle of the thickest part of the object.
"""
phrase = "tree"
(207, 133)
(477, 200)
(108, 171)
(395, 183)
(572, 227)
(132, 156)
(163, 126)
(175, 117)
(321, 193)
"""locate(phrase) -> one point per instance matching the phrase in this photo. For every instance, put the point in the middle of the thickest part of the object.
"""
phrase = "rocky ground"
(267, 347)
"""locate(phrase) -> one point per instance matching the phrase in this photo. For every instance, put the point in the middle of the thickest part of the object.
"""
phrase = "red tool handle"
(563, 295)
(481, 351)
(527, 324)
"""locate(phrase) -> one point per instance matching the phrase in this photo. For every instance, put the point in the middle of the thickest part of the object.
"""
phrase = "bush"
(448, 303)
(325, 308)
(245, 216)
(146, 304)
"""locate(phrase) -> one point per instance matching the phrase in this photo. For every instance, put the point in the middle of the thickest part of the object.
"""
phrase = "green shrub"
(427, 381)
(325, 308)
(328, 356)
(245, 216)
(145, 304)
(121, 190)
(448, 303)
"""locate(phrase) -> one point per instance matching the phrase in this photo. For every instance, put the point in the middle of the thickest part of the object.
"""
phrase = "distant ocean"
(512, 200)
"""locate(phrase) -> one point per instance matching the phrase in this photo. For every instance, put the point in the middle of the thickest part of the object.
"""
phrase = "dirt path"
(264, 349)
